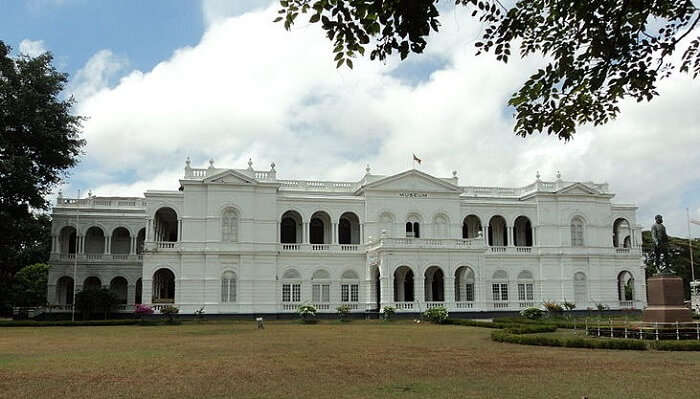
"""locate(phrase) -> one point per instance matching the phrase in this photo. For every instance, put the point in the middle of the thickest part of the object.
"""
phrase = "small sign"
(413, 195)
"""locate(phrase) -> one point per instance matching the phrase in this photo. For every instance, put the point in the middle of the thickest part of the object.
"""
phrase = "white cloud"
(97, 73)
(214, 11)
(251, 89)
(32, 48)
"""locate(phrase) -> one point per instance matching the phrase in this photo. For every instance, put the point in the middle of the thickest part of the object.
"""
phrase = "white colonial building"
(242, 241)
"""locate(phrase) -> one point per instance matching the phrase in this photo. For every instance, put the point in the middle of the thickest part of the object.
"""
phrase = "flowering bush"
(170, 311)
(569, 306)
(389, 312)
(307, 314)
(343, 312)
(141, 310)
(436, 315)
(532, 313)
(553, 308)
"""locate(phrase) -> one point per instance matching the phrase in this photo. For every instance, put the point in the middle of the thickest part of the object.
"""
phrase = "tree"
(93, 300)
(29, 286)
(39, 142)
(679, 258)
(597, 52)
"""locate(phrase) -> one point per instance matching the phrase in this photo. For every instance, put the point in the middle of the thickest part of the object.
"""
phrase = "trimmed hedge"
(513, 328)
(67, 323)
(676, 345)
(519, 330)
(539, 340)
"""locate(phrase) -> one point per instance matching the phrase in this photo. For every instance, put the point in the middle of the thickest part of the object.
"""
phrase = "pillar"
(108, 244)
(179, 229)
(81, 246)
(449, 289)
(418, 288)
(131, 294)
(335, 233)
(362, 233)
(511, 243)
(132, 246)
(306, 233)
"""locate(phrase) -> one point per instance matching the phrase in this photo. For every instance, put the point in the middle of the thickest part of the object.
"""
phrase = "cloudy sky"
(163, 80)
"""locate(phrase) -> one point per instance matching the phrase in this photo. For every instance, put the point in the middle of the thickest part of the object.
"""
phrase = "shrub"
(343, 312)
(66, 323)
(170, 311)
(541, 340)
(141, 310)
(436, 315)
(532, 313)
(553, 308)
(199, 314)
(307, 313)
(91, 301)
(531, 329)
(677, 345)
(569, 306)
(389, 312)
(601, 307)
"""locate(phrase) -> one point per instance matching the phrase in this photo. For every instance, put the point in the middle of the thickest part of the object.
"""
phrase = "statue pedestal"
(665, 299)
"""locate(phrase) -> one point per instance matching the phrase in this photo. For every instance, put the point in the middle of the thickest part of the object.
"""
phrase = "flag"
(415, 158)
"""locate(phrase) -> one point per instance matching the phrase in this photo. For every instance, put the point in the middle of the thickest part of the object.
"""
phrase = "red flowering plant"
(141, 310)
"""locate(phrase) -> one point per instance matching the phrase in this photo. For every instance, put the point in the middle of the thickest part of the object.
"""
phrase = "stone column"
(335, 233)
(179, 229)
(108, 244)
(81, 246)
(449, 282)
(511, 242)
(362, 233)
(419, 291)
(306, 233)
(132, 246)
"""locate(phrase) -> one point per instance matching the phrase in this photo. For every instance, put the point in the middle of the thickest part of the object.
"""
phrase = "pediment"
(230, 177)
(578, 189)
(412, 181)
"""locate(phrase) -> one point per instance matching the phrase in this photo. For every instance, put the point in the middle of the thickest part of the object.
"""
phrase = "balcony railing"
(464, 305)
(98, 258)
(405, 306)
(345, 248)
(626, 304)
(430, 305)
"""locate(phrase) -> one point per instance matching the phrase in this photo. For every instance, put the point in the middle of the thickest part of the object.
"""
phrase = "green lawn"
(358, 359)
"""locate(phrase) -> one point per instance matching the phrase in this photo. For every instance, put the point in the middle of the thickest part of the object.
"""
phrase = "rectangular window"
(286, 293)
(496, 290)
(354, 293)
(345, 293)
(504, 292)
(296, 292)
(469, 292)
(529, 292)
(521, 292)
(321, 293)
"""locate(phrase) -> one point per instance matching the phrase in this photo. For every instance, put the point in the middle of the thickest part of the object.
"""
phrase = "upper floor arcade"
(232, 209)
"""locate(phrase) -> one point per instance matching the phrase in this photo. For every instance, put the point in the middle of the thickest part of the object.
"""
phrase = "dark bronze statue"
(660, 238)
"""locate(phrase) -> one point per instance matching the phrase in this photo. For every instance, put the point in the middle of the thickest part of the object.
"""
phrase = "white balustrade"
(320, 247)
(523, 250)
(627, 304)
(403, 305)
(93, 256)
(165, 244)
(464, 305)
(349, 247)
(120, 257)
(291, 247)
(290, 307)
(430, 305)
(498, 249)
(623, 251)
(526, 304)
(500, 305)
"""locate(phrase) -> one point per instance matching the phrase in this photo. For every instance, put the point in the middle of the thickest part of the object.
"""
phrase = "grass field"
(327, 360)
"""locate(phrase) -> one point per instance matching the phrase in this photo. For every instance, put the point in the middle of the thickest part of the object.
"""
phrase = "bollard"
(261, 323)
(697, 331)
(678, 336)
(640, 332)
(611, 327)
(656, 327)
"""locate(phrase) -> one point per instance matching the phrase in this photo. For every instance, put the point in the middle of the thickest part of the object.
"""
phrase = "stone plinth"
(665, 299)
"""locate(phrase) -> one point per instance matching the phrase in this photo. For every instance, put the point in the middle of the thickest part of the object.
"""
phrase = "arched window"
(140, 238)
(577, 232)
(580, 294)
(163, 286)
(625, 286)
(471, 227)
(413, 226)
(118, 286)
(498, 234)
(499, 286)
(621, 233)
(139, 292)
(320, 228)
(64, 291)
(291, 228)
(165, 226)
(229, 225)
(403, 284)
(522, 231)
(94, 241)
(291, 286)
(525, 289)
(349, 287)
(464, 284)
(121, 241)
(349, 229)
(320, 287)
(228, 287)
(434, 284)
(67, 240)
(92, 283)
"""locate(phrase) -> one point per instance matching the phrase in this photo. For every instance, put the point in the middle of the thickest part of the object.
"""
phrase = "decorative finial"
(367, 169)
(558, 175)
(187, 161)
(60, 193)
(250, 163)
(537, 176)
(89, 193)
(454, 174)
(272, 166)
(211, 162)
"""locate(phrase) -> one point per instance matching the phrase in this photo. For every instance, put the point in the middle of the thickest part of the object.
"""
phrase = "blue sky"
(163, 80)
(146, 32)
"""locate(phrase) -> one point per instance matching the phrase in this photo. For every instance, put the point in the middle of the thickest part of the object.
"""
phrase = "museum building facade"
(242, 241)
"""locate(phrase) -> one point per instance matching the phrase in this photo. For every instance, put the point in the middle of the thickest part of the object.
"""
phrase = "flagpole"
(75, 255)
(690, 246)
